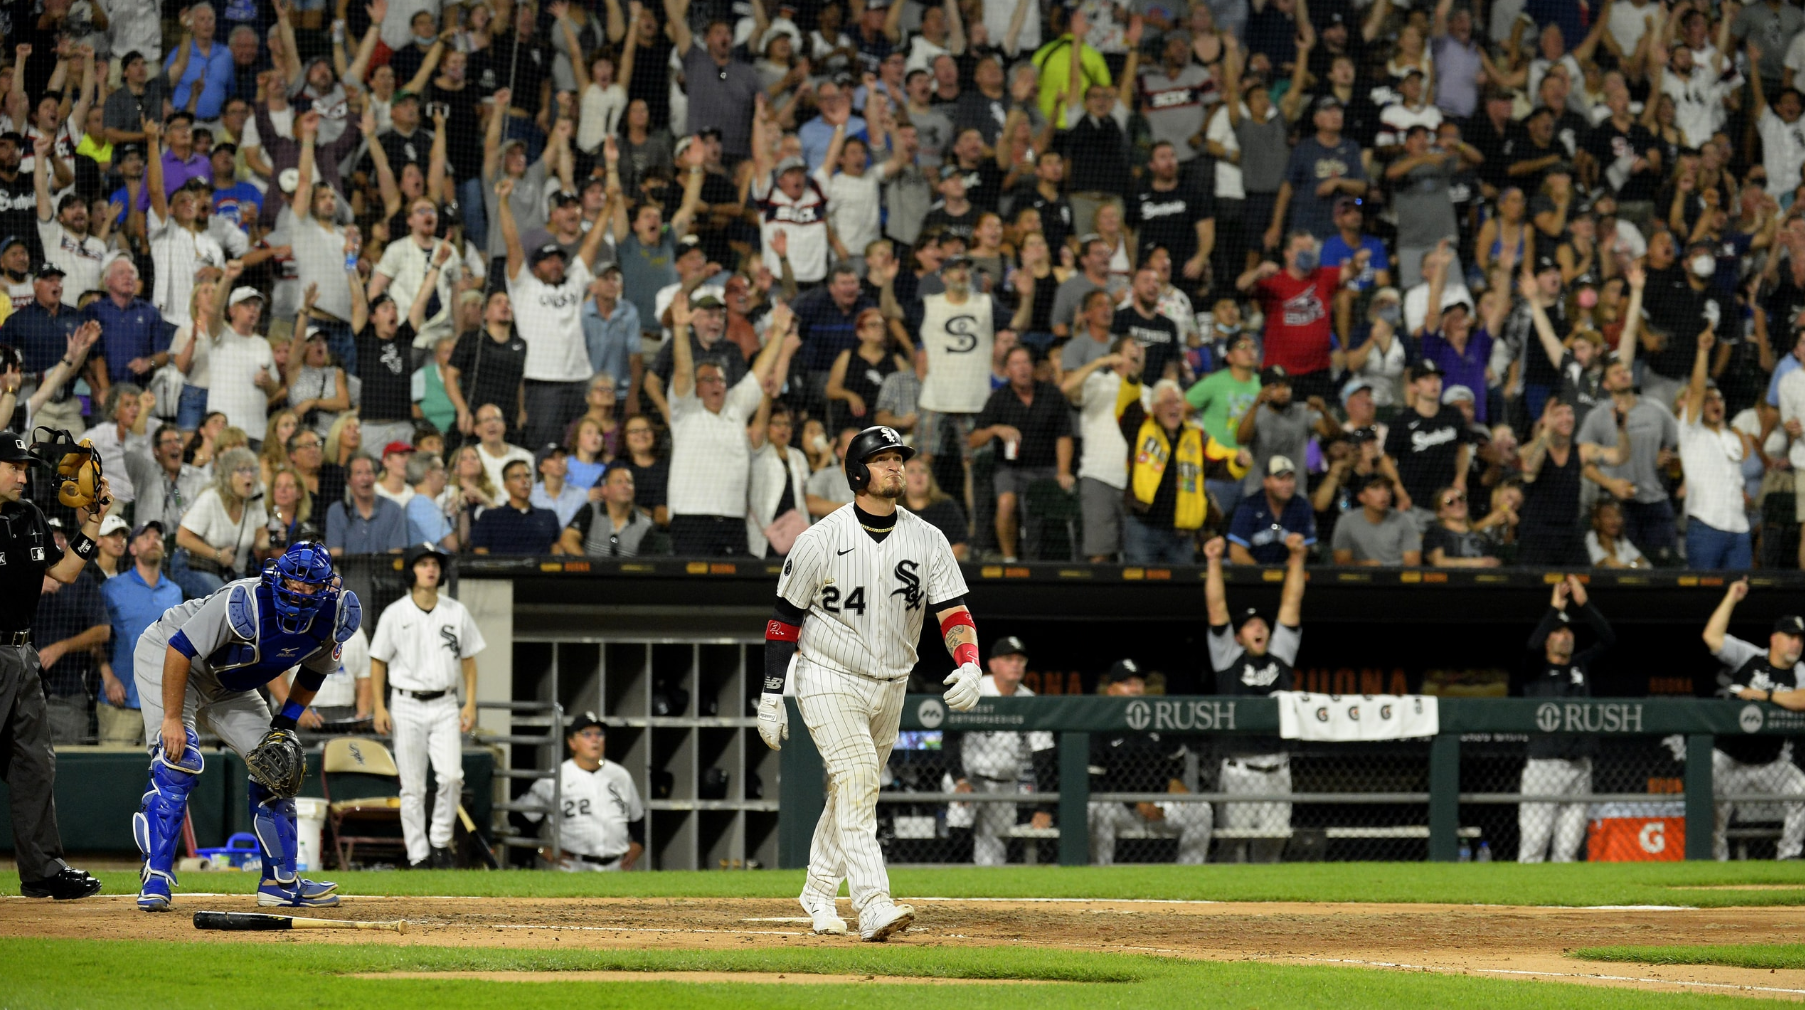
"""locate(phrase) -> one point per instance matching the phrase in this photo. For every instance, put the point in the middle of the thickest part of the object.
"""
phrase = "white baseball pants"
(1265, 773)
(991, 823)
(853, 721)
(1781, 778)
(1563, 823)
(427, 730)
(1190, 823)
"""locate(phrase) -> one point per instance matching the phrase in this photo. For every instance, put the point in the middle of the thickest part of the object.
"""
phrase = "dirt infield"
(1500, 942)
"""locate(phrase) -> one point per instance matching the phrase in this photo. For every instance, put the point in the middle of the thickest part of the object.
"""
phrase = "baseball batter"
(850, 603)
(205, 659)
(602, 823)
(424, 644)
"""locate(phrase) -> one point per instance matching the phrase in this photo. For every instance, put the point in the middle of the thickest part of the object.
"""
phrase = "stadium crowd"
(1426, 284)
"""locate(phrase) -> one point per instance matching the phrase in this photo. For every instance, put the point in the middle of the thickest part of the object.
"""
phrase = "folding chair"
(363, 792)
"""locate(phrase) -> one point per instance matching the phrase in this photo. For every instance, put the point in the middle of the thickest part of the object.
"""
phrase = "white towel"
(1347, 718)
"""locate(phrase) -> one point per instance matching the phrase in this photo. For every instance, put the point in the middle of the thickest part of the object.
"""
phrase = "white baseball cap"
(243, 294)
(113, 524)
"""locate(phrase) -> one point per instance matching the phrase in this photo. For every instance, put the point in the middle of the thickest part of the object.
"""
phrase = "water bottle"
(1485, 852)
(1466, 851)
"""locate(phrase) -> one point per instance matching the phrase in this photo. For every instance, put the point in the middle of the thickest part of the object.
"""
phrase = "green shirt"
(1221, 400)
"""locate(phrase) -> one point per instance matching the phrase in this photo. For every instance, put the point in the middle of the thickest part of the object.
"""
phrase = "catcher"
(206, 658)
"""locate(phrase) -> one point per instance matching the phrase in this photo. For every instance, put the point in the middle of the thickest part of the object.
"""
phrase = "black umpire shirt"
(1572, 679)
(26, 550)
(1761, 675)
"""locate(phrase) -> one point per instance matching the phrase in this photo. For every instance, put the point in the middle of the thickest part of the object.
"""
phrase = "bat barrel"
(241, 921)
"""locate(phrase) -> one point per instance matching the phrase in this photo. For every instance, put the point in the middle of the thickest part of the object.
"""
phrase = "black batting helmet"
(866, 444)
(423, 550)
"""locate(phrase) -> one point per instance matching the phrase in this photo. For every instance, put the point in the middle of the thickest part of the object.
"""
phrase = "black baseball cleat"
(70, 883)
(442, 859)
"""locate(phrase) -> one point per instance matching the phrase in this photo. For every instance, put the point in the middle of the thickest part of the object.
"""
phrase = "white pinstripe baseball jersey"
(598, 806)
(424, 650)
(866, 600)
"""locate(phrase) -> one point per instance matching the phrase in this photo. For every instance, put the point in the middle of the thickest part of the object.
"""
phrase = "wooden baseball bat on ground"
(257, 921)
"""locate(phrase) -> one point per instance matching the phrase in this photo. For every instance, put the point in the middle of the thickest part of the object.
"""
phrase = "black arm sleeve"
(778, 653)
(636, 831)
(952, 751)
(1600, 627)
(1539, 637)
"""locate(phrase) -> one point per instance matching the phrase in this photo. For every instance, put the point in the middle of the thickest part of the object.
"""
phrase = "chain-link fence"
(1158, 798)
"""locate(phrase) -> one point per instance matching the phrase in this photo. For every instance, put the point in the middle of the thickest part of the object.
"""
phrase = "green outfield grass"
(1455, 883)
(1733, 955)
(275, 975)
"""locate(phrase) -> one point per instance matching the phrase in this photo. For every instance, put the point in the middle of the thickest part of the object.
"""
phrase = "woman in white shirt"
(604, 97)
(1380, 360)
(224, 527)
(1108, 223)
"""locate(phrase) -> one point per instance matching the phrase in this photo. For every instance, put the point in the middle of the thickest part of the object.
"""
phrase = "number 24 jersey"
(866, 600)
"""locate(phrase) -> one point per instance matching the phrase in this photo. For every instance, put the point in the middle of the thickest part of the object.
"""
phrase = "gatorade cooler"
(1637, 833)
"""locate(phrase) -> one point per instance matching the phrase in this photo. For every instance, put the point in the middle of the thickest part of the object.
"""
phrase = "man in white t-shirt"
(1711, 452)
(241, 369)
(547, 294)
(792, 204)
(65, 236)
(1782, 135)
(1098, 389)
(711, 457)
(493, 448)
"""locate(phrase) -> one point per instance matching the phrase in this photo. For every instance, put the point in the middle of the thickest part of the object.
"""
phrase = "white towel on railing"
(1347, 718)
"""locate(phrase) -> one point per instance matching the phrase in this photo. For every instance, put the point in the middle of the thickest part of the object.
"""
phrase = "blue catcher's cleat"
(317, 888)
(304, 894)
(153, 894)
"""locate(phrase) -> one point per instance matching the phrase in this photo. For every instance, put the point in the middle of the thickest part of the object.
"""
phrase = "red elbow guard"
(778, 631)
(966, 652)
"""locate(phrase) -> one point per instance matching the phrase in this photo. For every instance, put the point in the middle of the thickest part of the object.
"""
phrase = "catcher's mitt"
(77, 467)
(276, 763)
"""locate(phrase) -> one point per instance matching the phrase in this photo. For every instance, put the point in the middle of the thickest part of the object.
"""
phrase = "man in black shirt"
(528, 79)
(1256, 660)
(1126, 762)
(31, 555)
(1096, 156)
(1168, 213)
(1758, 763)
(1048, 200)
(1625, 156)
(384, 355)
(1031, 423)
(1530, 155)
(1150, 328)
(983, 179)
(1560, 764)
(1428, 446)
(18, 196)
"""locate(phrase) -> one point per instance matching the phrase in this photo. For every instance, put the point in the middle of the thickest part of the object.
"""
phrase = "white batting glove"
(773, 720)
(962, 688)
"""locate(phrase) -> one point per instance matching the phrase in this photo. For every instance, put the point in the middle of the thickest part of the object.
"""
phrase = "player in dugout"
(601, 821)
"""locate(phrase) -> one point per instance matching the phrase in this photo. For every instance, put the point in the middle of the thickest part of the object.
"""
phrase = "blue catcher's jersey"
(238, 636)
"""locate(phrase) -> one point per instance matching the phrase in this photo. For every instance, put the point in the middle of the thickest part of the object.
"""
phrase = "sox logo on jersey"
(865, 598)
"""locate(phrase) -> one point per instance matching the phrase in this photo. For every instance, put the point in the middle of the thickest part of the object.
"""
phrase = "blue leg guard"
(273, 819)
(158, 824)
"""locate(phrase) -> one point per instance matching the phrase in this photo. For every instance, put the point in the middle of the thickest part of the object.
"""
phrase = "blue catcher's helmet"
(305, 561)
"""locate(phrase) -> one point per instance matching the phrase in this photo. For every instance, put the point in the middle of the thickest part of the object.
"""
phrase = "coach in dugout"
(997, 762)
(1559, 764)
(1254, 658)
(601, 822)
(1141, 763)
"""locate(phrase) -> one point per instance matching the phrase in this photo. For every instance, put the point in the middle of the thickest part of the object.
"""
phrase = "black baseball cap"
(1791, 624)
(1325, 103)
(1427, 366)
(1119, 671)
(13, 448)
(1240, 619)
(547, 251)
(547, 451)
(689, 243)
(1275, 375)
(1008, 645)
(17, 139)
(585, 721)
(146, 526)
(48, 269)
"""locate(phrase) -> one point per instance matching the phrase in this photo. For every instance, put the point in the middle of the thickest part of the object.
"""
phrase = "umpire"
(27, 763)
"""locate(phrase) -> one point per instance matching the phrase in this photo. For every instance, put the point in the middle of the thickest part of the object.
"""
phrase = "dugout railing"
(1446, 797)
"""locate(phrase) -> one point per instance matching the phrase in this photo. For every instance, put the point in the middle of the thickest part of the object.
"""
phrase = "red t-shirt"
(1297, 319)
